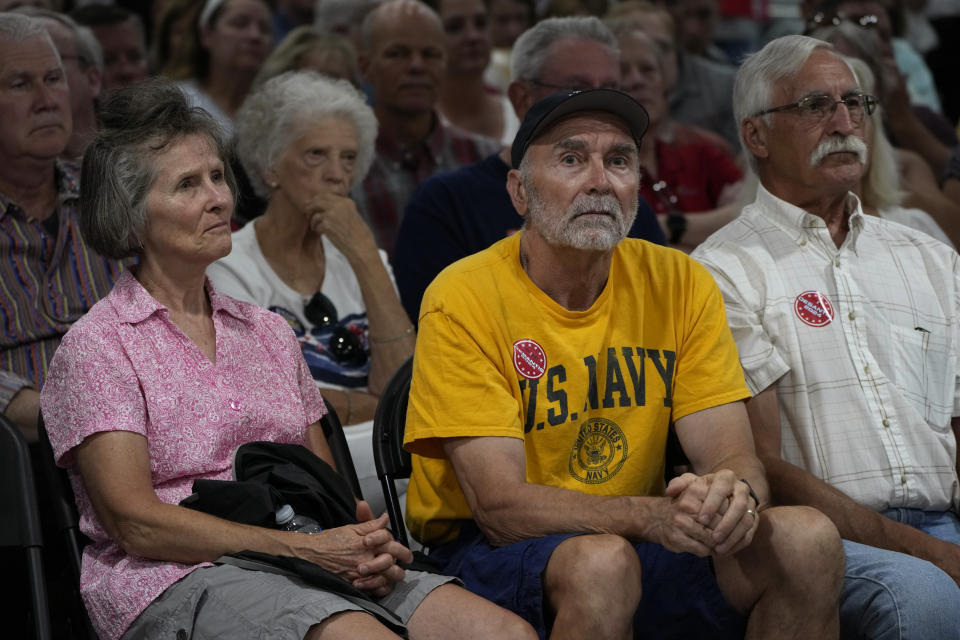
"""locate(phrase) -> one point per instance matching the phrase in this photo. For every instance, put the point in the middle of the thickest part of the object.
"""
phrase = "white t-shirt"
(246, 275)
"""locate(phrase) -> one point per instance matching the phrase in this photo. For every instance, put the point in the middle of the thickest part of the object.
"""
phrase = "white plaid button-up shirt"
(863, 340)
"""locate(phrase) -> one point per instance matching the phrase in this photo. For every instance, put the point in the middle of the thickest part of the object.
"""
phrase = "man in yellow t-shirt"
(547, 371)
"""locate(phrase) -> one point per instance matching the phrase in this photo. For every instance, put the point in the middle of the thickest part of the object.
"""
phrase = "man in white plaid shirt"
(848, 328)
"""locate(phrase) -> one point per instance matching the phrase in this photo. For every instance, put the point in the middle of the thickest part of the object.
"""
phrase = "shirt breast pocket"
(925, 371)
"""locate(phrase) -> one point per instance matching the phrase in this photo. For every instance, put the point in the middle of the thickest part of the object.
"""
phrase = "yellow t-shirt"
(591, 393)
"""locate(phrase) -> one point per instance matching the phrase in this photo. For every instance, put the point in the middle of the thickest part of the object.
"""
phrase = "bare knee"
(594, 568)
(806, 545)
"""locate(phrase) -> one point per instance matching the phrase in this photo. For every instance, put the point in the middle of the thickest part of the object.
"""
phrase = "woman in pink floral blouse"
(161, 381)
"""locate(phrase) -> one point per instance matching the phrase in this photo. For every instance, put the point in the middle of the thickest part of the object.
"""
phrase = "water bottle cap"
(284, 514)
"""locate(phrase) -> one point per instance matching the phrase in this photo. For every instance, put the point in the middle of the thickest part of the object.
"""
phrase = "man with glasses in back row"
(847, 328)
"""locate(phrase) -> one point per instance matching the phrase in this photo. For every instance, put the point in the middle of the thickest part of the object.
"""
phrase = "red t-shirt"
(694, 169)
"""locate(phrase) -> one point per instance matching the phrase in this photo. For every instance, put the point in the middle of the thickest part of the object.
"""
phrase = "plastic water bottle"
(287, 520)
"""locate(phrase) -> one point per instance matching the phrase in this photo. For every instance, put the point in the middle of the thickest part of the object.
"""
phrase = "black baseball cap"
(559, 105)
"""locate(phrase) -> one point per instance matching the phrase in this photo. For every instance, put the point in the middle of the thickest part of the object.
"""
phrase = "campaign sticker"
(529, 358)
(814, 309)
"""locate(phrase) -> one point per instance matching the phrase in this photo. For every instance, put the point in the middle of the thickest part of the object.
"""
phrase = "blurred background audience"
(122, 37)
(465, 100)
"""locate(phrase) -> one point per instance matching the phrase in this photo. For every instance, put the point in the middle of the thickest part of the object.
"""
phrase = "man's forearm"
(792, 485)
(23, 411)
(533, 511)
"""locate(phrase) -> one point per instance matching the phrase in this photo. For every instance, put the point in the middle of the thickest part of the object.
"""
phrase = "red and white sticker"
(813, 308)
(529, 358)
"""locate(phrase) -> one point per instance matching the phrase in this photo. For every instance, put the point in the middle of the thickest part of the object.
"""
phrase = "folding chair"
(20, 524)
(333, 432)
(67, 523)
(391, 460)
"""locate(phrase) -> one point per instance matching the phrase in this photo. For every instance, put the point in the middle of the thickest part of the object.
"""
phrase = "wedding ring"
(753, 513)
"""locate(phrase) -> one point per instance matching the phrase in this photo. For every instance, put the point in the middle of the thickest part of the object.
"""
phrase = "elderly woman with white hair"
(305, 140)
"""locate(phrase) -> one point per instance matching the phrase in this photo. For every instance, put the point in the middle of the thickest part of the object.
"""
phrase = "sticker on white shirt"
(813, 308)
(529, 359)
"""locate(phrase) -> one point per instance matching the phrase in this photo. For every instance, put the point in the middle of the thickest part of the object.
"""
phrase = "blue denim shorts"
(681, 600)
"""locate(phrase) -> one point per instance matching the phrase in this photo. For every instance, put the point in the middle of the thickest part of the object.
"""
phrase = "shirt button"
(235, 405)
(903, 478)
(852, 315)
(886, 423)
(803, 243)
(866, 368)
(836, 262)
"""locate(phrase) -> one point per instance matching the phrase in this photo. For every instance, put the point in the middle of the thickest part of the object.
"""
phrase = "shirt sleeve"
(762, 363)
(457, 389)
(708, 373)
(313, 405)
(91, 387)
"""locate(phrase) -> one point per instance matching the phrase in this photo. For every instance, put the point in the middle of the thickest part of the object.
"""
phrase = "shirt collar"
(792, 218)
(134, 304)
(433, 145)
(67, 178)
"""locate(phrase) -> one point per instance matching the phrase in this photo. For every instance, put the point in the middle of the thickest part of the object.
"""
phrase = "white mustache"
(838, 144)
(603, 203)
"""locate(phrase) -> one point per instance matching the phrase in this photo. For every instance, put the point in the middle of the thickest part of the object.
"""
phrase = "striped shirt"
(862, 343)
(397, 170)
(46, 283)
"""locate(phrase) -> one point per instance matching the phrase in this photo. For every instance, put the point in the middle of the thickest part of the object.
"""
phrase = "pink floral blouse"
(126, 366)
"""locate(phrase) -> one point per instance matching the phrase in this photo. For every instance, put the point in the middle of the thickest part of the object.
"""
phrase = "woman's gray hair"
(531, 49)
(866, 45)
(881, 189)
(288, 55)
(273, 116)
(137, 124)
(622, 27)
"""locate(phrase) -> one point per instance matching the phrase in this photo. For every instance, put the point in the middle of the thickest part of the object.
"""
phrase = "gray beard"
(596, 233)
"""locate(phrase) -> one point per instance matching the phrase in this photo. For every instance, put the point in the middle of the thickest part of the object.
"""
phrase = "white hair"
(760, 72)
(271, 117)
(881, 188)
(530, 51)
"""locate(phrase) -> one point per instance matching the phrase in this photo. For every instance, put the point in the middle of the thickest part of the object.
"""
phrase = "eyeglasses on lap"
(343, 345)
(817, 107)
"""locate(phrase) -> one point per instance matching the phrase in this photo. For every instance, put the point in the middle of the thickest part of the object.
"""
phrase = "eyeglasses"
(821, 19)
(819, 106)
(571, 87)
(343, 345)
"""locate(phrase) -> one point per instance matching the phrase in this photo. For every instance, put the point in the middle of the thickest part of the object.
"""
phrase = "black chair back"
(20, 524)
(333, 432)
(67, 522)
(389, 456)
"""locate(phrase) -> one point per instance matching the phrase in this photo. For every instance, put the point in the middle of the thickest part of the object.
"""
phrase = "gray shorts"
(224, 601)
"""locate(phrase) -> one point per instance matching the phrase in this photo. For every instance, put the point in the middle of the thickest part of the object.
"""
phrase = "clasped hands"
(365, 554)
(706, 515)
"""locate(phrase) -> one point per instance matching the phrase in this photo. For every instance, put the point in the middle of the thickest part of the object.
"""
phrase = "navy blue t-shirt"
(458, 213)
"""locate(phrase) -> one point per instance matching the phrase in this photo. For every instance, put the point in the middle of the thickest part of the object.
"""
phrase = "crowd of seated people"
(357, 149)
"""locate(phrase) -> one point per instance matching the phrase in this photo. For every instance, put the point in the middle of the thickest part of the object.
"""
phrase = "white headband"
(208, 10)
